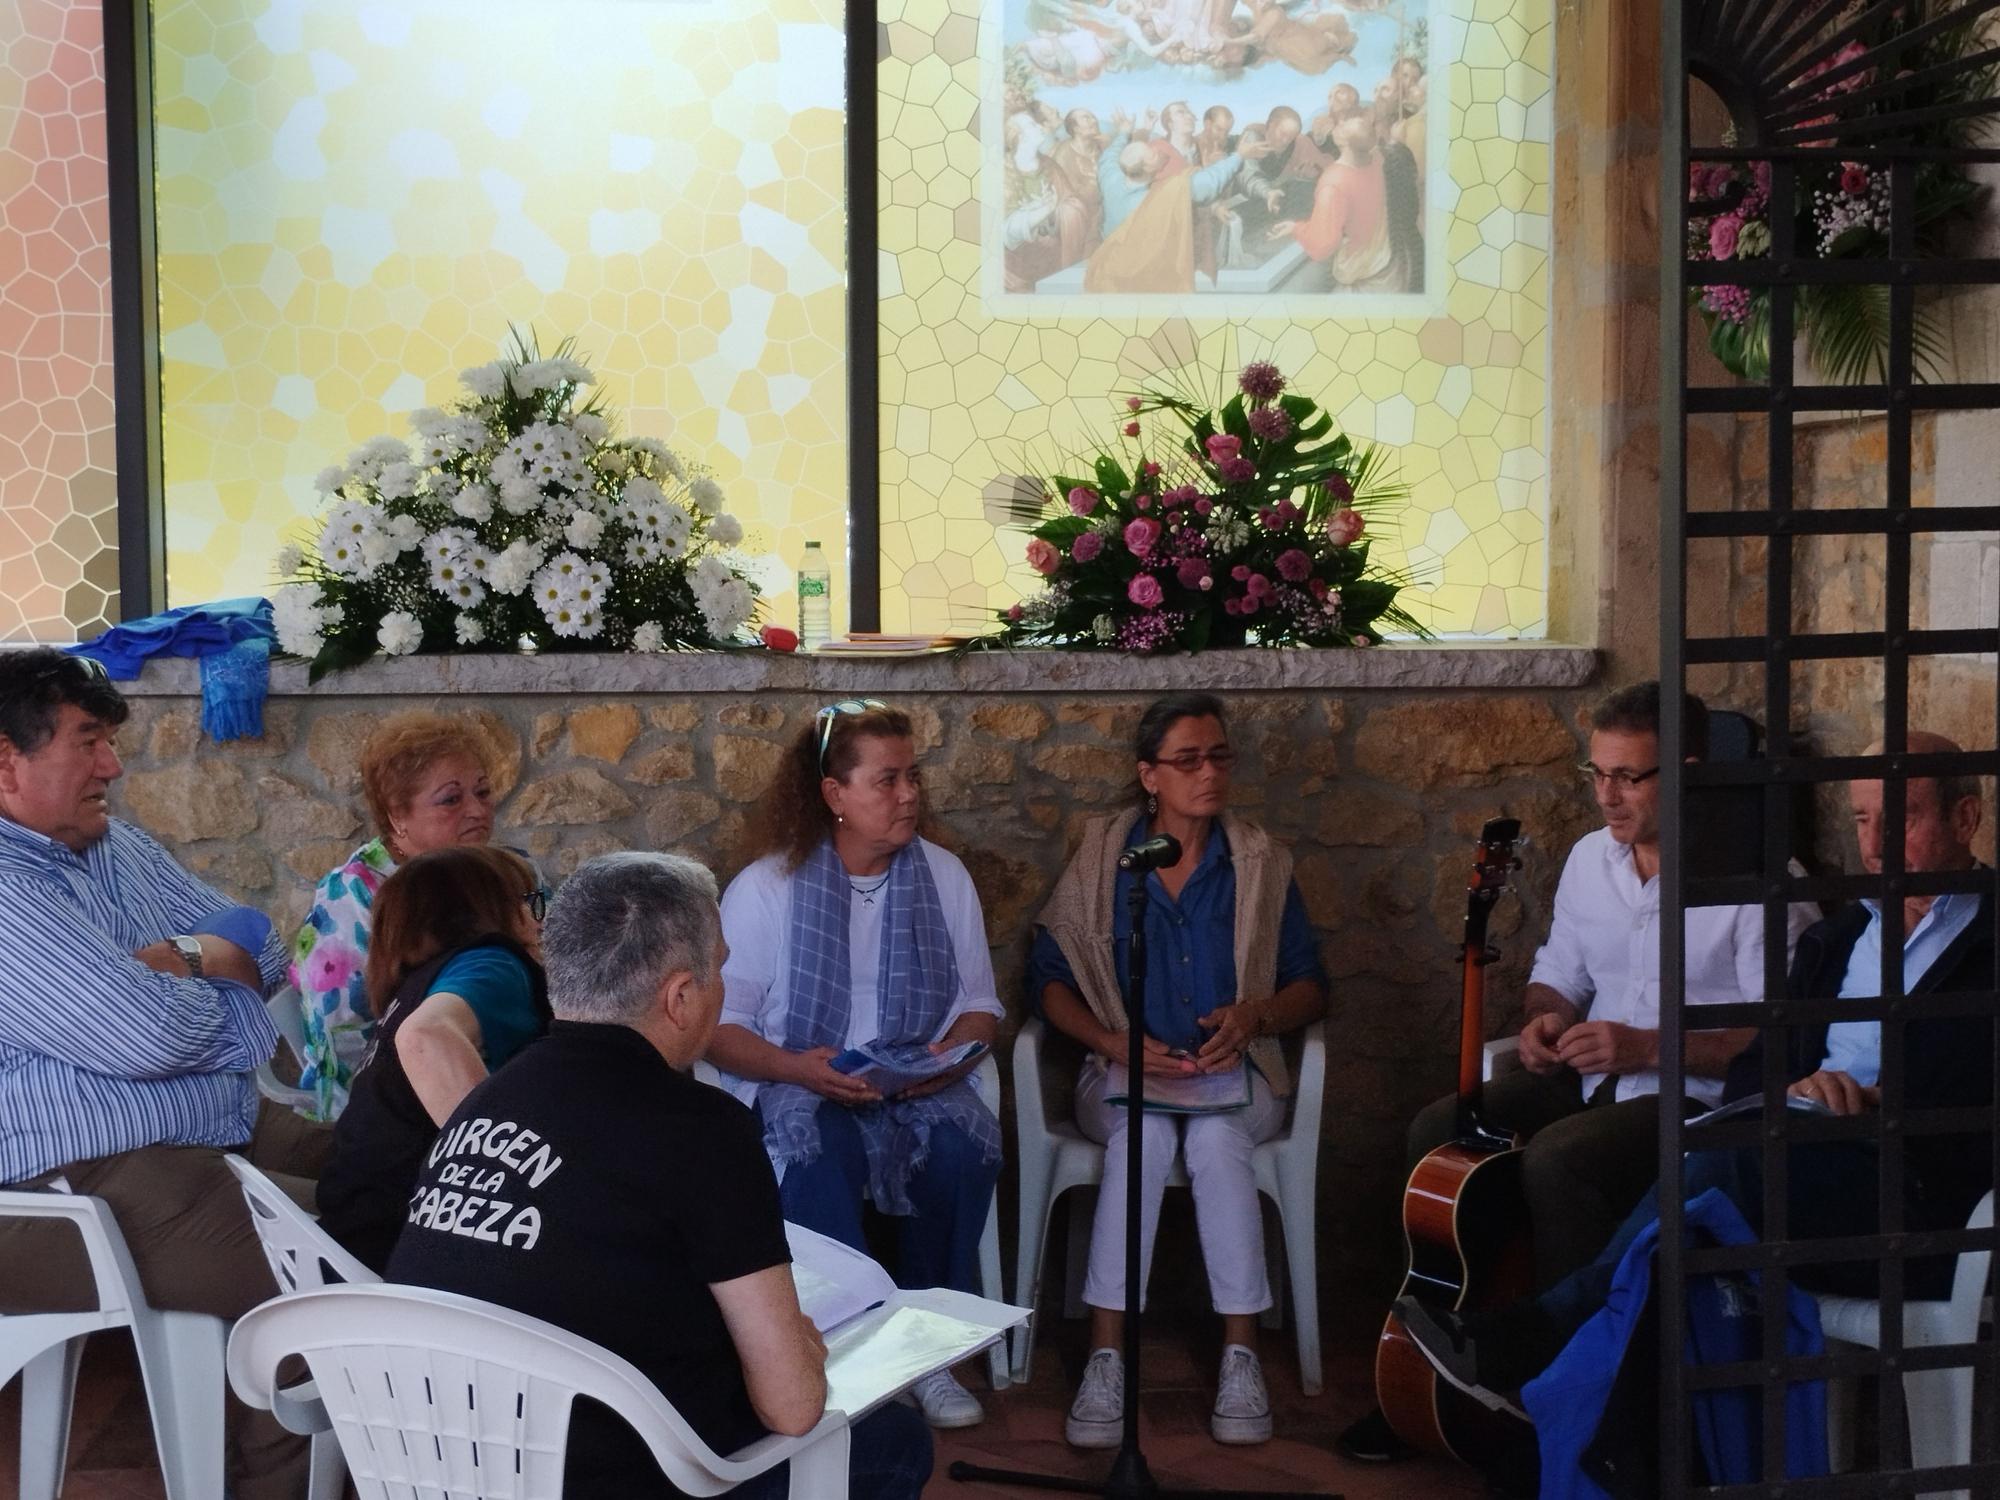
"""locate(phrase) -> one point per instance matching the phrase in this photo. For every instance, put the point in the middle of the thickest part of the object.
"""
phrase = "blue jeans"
(1831, 1190)
(938, 1245)
(888, 1457)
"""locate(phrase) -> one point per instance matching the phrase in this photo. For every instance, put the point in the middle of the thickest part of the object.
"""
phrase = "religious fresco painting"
(1264, 157)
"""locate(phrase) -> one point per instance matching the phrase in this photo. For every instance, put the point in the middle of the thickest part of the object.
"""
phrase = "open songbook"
(892, 1067)
(1753, 1104)
(1186, 1094)
(881, 1339)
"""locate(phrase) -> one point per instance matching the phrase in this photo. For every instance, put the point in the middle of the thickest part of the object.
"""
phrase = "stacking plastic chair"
(180, 1360)
(436, 1394)
(1054, 1156)
(986, 1081)
(1938, 1402)
(286, 1015)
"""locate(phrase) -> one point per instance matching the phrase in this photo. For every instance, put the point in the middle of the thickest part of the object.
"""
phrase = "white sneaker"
(946, 1403)
(1242, 1405)
(1097, 1416)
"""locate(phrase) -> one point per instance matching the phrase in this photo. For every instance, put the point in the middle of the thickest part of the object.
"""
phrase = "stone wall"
(1378, 791)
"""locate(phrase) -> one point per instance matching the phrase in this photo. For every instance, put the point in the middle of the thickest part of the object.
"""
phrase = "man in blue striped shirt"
(131, 1016)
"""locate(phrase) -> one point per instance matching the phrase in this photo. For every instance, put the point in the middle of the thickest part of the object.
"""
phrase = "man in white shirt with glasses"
(1587, 1093)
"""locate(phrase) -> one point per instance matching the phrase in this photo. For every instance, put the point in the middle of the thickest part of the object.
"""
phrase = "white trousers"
(1226, 1211)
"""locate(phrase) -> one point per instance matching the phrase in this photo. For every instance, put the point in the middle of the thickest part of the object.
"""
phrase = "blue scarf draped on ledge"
(232, 640)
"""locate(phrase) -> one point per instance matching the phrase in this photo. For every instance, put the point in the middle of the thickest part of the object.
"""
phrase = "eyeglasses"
(1621, 778)
(832, 711)
(1189, 761)
(537, 902)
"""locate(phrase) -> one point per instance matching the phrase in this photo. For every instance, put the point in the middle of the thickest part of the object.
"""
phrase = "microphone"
(1158, 853)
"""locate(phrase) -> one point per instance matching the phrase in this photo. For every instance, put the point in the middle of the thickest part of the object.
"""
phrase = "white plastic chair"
(180, 1359)
(432, 1393)
(1055, 1156)
(1938, 1402)
(1502, 1057)
(986, 1082)
(285, 1013)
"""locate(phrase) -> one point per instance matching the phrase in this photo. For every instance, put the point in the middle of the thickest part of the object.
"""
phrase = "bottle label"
(812, 588)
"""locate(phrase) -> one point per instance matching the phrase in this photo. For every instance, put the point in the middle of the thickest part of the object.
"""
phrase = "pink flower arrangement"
(1722, 234)
(1237, 528)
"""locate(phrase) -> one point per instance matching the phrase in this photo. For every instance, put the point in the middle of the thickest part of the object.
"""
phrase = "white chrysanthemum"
(330, 479)
(449, 543)
(725, 531)
(642, 551)
(520, 497)
(575, 371)
(469, 630)
(291, 557)
(649, 637)
(429, 419)
(590, 426)
(369, 460)
(298, 617)
(1103, 627)
(405, 531)
(727, 607)
(514, 568)
(707, 496)
(485, 381)
(708, 574)
(400, 634)
(474, 502)
(341, 550)
(615, 462)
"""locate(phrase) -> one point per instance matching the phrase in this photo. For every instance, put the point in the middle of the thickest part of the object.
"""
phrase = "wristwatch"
(190, 951)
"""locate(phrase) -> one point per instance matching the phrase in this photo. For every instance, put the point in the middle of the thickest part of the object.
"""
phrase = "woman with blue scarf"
(848, 928)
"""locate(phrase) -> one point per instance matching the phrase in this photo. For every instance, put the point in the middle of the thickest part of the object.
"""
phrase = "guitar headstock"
(1493, 867)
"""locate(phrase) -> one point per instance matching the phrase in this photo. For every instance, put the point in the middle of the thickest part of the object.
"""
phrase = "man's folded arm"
(69, 992)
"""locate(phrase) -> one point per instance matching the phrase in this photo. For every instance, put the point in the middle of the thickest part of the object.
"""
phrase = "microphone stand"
(1130, 1478)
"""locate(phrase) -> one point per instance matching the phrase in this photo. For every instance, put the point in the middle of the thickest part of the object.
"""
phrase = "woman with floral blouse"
(428, 786)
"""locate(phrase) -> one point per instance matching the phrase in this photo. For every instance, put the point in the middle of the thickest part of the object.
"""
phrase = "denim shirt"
(1190, 946)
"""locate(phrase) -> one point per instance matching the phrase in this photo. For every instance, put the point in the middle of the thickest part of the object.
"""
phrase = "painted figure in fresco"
(1149, 216)
(1347, 232)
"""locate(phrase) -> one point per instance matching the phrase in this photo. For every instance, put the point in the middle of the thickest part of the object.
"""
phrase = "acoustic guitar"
(1464, 1215)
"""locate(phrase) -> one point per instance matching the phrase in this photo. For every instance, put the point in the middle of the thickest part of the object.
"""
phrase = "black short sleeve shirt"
(589, 1184)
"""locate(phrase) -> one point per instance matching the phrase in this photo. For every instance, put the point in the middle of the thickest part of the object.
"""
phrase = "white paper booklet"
(1187, 1094)
(881, 1339)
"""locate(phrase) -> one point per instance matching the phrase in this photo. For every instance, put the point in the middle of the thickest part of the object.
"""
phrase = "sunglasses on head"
(832, 711)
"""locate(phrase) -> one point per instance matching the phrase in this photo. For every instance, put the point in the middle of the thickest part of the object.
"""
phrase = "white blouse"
(757, 925)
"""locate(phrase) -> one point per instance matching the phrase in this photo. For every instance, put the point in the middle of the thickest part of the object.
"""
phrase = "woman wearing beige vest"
(1231, 966)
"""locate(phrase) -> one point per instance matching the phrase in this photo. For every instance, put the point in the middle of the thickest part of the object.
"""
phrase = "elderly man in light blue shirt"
(131, 1016)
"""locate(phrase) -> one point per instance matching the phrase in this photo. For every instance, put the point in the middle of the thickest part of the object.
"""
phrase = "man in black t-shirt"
(590, 1182)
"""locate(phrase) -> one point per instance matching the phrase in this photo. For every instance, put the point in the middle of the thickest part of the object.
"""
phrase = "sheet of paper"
(1190, 1094)
(836, 1283)
(891, 1348)
(893, 1068)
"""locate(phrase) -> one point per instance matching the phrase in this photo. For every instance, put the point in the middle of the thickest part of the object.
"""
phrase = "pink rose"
(1222, 446)
(1043, 557)
(1015, 613)
(1142, 502)
(1241, 572)
(1722, 236)
(1259, 587)
(1345, 527)
(1203, 505)
(1131, 429)
(1853, 180)
(1082, 501)
(1149, 469)
(1140, 535)
(1338, 488)
(1294, 566)
(1192, 572)
(1236, 470)
(1086, 547)
(1133, 403)
(1145, 591)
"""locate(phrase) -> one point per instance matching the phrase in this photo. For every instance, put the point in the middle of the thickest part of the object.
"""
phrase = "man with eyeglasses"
(1587, 1093)
(131, 1016)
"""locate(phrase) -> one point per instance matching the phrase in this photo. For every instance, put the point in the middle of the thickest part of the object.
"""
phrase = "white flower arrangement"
(515, 521)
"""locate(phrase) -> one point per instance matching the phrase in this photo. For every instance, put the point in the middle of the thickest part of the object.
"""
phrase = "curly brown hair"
(792, 816)
(397, 755)
(437, 901)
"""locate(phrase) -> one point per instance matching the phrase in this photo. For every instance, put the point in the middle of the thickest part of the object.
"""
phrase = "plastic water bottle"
(815, 599)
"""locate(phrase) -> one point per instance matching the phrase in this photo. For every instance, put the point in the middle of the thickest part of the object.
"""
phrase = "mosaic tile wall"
(58, 499)
(968, 397)
(355, 201)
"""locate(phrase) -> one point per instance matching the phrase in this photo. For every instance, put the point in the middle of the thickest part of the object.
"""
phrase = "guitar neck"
(1471, 1036)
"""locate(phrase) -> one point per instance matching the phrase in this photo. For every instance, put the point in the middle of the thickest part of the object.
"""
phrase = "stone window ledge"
(1499, 665)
